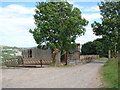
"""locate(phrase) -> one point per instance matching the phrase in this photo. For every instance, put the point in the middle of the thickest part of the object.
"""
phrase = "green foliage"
(88, 49)
(13, 49)
(97, 47)
(103, 59)
(8, 68)
(8, 52)
(8, 56)
(109, 27)
(57, 25)
(93, 48)
(118, 72)
(110, 74)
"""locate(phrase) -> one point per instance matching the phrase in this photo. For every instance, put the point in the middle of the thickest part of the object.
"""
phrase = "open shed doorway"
(30, 53)
(63, 58)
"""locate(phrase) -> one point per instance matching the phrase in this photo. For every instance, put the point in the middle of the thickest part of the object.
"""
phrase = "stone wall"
(74, 57)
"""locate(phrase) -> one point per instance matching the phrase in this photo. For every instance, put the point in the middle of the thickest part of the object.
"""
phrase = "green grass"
(119, 73)
(110, 74)
(103, 59)
(7, 68)
(7, 51)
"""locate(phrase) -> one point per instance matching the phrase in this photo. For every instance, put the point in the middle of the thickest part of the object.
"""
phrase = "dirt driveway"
(80, 76)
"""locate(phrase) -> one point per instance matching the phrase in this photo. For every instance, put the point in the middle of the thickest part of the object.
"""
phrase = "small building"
(18, 53)
(36, 55)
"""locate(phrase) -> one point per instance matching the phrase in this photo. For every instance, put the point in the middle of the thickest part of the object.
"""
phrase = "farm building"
(36, 55)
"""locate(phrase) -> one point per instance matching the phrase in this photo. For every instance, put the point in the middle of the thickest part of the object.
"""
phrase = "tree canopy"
(109, 27)
(58, 24)
(95, 47)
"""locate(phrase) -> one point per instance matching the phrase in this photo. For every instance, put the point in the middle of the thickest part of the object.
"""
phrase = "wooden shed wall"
(37, 53)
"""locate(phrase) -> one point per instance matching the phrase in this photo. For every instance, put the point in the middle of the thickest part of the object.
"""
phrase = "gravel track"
(80, 76)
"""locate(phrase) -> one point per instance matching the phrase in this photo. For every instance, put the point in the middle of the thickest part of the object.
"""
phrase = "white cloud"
(78, 6)
(89, 16)
(46, 0)
(22, 0)
(88, 9)
(91, 9)
(15, 32)
(89, 36)
(73, 1)
(15, 11)
(92, 16)
(15, 22)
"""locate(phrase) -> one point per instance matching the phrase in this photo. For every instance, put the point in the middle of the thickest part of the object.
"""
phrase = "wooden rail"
(37, 62)
(17, 62)
(12, 62)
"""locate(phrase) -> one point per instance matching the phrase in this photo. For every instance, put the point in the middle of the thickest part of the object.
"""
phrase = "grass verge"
(7, 68)
(110, 74)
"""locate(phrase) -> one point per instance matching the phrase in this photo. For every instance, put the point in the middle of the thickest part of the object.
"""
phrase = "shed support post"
(41, 63)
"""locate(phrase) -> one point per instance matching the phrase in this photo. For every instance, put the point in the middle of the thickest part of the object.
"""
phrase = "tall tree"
(93, 48)
(58, 24)
(109, 27)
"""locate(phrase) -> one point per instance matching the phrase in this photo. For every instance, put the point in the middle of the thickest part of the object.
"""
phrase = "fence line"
(37, 61)
(12, 62)
(88, 58)
(17, 62)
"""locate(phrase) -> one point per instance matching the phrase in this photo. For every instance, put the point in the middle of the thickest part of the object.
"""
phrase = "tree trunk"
(54, 60)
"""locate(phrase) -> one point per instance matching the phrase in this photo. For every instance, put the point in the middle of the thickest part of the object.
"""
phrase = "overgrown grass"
(110, 74)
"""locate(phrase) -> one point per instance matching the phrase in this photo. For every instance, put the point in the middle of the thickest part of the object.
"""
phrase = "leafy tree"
(109, 27)
(58, 24)
(102, 49)
(88, 49)
(93, 48)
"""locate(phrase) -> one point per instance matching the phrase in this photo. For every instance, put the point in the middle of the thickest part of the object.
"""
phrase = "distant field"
(110, 74)
(10, 52)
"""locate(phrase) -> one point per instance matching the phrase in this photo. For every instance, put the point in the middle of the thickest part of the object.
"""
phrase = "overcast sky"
(16, 18)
